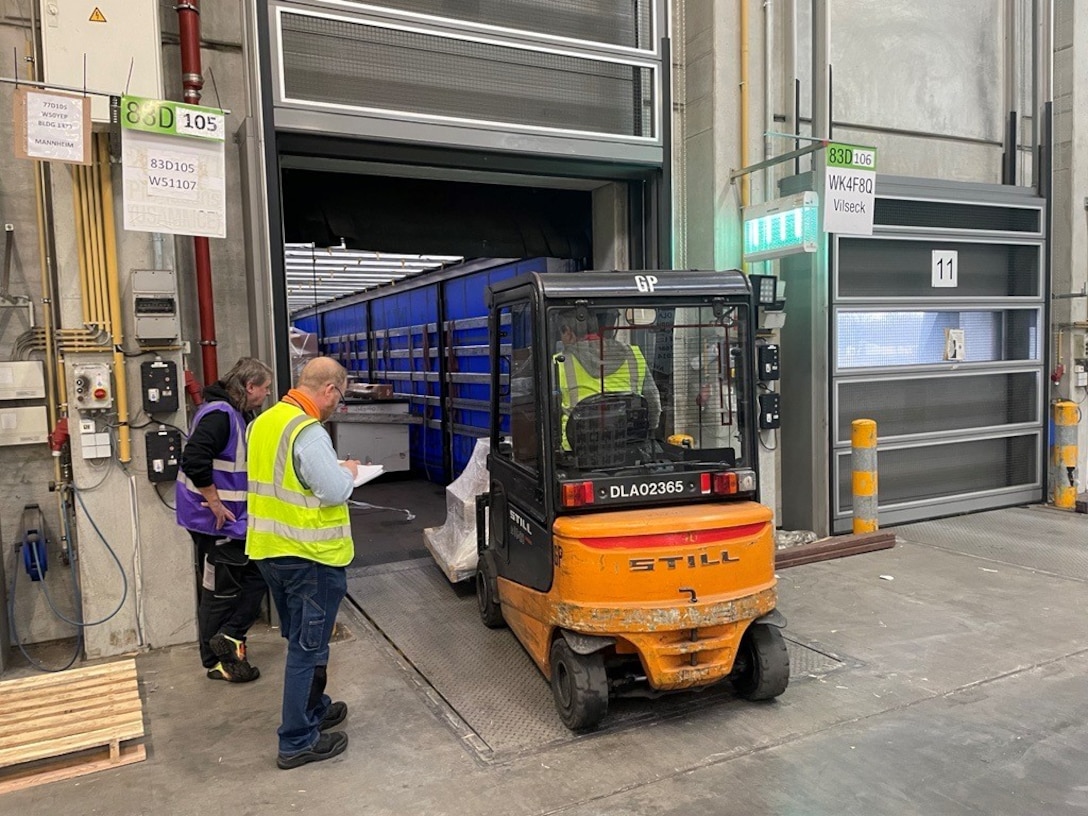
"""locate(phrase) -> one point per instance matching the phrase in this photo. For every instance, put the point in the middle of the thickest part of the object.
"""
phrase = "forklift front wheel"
(487, 596)
(762, 669)
(580, 686)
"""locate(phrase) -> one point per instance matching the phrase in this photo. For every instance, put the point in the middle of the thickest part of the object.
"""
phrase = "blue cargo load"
(426, 336)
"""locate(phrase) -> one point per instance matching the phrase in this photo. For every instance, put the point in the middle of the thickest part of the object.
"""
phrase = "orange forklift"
(621, 538)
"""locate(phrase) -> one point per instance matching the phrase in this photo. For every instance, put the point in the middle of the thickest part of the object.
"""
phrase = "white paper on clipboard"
(366, 473)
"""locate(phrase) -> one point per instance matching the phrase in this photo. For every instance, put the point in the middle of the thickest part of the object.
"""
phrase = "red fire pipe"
(189, 30)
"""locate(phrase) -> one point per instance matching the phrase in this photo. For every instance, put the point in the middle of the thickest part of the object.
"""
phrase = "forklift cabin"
(622, 539)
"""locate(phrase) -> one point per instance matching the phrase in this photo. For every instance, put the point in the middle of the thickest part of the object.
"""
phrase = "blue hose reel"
(35, 544)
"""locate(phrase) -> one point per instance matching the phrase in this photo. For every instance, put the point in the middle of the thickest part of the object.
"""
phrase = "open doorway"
(386, 270)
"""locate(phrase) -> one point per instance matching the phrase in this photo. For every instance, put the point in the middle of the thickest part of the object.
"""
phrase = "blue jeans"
(307, 596)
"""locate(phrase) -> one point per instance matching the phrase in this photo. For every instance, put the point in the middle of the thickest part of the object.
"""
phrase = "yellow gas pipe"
(81, 237)
(113, 287)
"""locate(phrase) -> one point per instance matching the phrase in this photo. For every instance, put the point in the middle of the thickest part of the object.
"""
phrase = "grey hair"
(247, 371)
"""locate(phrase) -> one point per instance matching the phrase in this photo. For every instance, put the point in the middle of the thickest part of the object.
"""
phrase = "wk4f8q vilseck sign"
(849, 189)
(174, 169)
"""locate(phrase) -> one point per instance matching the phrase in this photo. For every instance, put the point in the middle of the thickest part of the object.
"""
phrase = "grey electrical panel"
(155, 305)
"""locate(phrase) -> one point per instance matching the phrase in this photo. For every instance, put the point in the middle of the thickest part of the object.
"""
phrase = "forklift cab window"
(517, 387)
(649, 387)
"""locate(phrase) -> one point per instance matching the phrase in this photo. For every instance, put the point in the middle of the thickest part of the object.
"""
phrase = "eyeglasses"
(341, 393)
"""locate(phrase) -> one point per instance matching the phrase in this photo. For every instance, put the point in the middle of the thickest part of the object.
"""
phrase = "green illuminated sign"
(785, 226)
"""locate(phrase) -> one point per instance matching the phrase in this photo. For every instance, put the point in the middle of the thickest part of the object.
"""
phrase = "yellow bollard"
(863, 441)
(1063, 454)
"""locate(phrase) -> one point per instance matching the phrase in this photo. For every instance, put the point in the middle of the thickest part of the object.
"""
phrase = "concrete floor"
(966, 693)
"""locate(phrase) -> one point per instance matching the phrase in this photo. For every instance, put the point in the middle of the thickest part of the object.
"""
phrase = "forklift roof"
(631, 283)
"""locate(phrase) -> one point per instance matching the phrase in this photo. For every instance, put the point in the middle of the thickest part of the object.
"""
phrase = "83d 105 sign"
(849, 189)
(174, 170)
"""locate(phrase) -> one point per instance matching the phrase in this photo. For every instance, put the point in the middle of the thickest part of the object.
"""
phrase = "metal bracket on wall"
(9, 249)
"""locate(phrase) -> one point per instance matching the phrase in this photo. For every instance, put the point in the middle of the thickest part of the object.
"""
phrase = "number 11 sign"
(946, 263)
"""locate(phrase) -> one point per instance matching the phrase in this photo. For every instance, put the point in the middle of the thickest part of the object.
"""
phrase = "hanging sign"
(849, 189)
(173, 167)
(52, 126)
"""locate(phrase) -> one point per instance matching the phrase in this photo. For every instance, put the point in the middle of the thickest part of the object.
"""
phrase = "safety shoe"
(234, 672)
(337, 713)
(232, 655)
(326, 747)
(228, 649)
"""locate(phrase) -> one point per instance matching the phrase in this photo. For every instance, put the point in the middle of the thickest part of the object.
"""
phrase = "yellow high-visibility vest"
(576, 383)
(285, 517)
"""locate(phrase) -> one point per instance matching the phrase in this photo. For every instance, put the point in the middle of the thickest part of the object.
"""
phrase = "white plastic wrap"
(453, 545)
(303, 348)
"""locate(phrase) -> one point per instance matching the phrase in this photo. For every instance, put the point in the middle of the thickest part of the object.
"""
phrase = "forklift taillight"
(704, 483)
(725, 483)
(576, 494)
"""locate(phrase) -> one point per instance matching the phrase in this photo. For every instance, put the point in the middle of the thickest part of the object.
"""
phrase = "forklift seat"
(608, 430)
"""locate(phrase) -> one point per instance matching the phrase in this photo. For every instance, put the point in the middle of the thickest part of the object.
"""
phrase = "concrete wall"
(26, 470)
(1070, 217)
(154, 553)
(925, 81)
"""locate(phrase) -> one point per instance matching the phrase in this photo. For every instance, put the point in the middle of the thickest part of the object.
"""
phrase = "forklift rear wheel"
(580, 686)
(763, 664)
(487, 600)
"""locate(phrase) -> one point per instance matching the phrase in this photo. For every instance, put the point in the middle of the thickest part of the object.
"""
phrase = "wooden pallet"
(63, 725)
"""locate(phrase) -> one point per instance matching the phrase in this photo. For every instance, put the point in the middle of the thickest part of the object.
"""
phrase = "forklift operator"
(591, 363)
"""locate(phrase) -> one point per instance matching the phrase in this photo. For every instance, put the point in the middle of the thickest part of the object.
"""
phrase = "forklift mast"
(611, 390)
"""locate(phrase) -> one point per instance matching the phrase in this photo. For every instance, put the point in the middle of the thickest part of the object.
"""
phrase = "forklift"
(621, 538)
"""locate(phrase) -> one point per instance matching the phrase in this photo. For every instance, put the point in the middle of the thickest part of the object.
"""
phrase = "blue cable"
(120, 568)
(77, 594)
(19, 643)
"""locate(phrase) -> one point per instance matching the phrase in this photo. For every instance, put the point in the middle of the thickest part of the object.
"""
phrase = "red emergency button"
(100, 393)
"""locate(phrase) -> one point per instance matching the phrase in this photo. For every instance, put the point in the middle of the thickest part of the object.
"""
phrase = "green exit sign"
(785, 226)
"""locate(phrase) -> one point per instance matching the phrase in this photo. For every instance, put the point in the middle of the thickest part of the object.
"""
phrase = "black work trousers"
(230, 588)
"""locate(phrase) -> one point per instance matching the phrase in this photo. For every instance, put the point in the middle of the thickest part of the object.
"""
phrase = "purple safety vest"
(228, 476)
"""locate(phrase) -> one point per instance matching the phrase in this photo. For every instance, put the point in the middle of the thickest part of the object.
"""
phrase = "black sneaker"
(337, 713)
(326, 747)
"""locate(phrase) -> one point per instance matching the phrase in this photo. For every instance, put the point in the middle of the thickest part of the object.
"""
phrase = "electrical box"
(105, 45)
(1080, 374)
(163, 449)
(93, 388)
(24, 426)
(159, 386)
(767, 356)
(22, 380)
(94, 444)
(768, 411)
(155, 305)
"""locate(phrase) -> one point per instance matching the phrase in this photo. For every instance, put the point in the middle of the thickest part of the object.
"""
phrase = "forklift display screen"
(648, 391)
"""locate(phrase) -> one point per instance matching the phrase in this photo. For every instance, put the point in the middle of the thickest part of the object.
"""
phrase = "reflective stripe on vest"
(224, 495)
(285, 517)
(284, 530)
(238, 466)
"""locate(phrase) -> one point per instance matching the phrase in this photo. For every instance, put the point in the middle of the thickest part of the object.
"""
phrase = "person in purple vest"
(211, 505)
